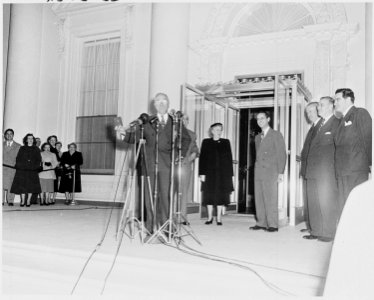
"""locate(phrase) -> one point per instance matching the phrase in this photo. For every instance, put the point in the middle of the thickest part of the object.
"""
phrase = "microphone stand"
(73, 202)
(181, 219)
(155, 192)
(169, 227)
(123, 222)
(165, 231)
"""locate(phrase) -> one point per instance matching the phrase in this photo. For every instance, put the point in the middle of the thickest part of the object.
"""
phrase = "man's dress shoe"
(257, 228)
(310, 237)
(304, 230)
(272, 229)
(325, 239)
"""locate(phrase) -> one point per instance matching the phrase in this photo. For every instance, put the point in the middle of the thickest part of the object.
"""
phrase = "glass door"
(289, 104)
(282, 124)
(203, 111)
(300, 97)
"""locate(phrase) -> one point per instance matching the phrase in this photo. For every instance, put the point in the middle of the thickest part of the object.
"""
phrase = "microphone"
(153, 119)
(172, 113)
(143, 119)
(175, 114)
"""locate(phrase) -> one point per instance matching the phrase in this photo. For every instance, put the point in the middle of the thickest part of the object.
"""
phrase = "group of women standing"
(46, 171)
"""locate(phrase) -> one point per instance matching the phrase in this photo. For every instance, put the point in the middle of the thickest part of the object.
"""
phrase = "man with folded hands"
(321, 185)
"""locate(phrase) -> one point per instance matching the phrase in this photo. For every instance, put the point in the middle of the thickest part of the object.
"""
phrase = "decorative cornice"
(128, 25)
(61, 24)
(64, 9)
(224, 17)
(318, 32)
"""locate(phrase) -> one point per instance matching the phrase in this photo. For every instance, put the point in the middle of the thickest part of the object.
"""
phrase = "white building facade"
(72, 67)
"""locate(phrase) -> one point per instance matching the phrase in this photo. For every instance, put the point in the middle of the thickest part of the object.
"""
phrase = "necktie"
(313, 131)
(322, 122)
(163, 123)
(262, 135)
(8, 144)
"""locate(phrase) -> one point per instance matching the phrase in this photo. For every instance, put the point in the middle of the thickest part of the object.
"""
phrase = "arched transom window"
(273, 17)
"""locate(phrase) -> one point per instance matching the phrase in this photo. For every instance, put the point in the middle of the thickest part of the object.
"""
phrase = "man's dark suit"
(164, 165)
(321, 185)
(353, 151)
(270, 162)
(187, 176)
(303, 156)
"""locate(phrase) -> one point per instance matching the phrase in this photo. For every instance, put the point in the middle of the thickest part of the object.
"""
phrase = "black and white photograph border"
(91, 74)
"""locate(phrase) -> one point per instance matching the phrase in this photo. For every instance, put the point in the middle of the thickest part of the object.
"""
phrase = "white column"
(21, 101)
(169, 52)
(6, 20)
(368, 55)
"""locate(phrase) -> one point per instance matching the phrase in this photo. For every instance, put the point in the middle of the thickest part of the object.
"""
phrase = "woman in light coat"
(47, 176)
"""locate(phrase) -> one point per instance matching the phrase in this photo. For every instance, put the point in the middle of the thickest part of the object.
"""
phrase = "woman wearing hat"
(216, 172)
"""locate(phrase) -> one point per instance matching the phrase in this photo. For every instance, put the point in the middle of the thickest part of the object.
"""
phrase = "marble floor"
(45, 249)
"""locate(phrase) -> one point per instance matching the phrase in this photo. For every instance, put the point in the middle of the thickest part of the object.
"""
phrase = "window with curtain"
(98, 105)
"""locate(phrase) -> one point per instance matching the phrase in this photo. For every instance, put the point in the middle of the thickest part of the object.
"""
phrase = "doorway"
(235, 104)
(248, 129)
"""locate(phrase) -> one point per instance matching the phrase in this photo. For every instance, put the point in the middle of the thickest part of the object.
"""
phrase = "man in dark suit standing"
(321, 186)
(158, 138)
(187, 170)
(10, 151)
(353, 144)
(312, 114)
(269, 168)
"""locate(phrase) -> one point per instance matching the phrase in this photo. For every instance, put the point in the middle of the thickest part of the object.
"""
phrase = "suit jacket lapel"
(8, 149)
(351, 111)
(343, 120)
(317, 132)
(266, 138)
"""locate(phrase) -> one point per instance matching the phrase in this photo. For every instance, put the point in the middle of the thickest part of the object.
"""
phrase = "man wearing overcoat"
(312, 114)
(321, 185)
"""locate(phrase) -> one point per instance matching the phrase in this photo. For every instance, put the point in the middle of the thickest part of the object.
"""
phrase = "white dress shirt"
(265, 131)
(346, 111)
(163, 118)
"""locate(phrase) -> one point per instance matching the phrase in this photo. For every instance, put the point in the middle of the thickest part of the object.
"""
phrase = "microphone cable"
(256, 264)
(114, 261)
(231, 262)
(106, 227)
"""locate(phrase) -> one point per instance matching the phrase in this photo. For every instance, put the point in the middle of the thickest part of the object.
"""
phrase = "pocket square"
(347, 123)
(328, 132)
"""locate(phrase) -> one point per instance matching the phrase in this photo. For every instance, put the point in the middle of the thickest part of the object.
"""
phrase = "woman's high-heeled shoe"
(22, 204)
(209, 222)
(219, 223)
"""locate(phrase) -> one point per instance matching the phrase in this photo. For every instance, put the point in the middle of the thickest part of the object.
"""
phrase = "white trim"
(311, 31)
(69, 95)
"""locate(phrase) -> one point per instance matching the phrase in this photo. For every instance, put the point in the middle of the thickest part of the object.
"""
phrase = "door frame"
(230, 133)
(292, 191)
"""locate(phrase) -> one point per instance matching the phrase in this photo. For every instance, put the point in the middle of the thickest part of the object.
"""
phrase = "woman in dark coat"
(28, 161)
(216, 171)
(71, 161)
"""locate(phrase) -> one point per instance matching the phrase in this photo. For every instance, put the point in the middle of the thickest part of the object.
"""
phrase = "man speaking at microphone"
(160, 125)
